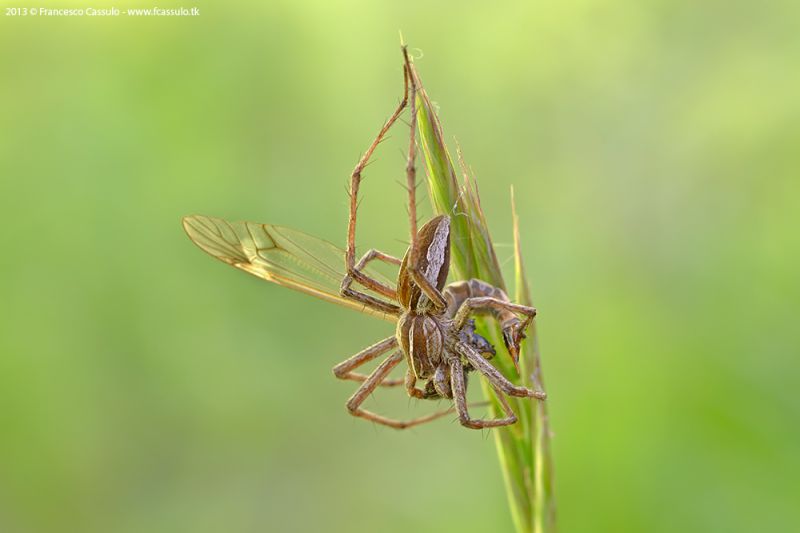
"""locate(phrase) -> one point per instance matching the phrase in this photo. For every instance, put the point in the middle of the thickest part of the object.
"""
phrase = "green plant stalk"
(523, 448)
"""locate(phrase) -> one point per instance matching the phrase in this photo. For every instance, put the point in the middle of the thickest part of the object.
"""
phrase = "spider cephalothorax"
(421, 330)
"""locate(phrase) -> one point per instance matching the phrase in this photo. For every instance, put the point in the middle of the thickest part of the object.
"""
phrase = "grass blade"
(523, 448)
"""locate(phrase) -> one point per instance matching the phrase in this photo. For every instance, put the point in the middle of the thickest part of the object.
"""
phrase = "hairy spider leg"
(460, 398)
(475, 295)
(372, 382)
(344, 370)
(355, 271)
(374, 255)
(425, 285)
(493, 375)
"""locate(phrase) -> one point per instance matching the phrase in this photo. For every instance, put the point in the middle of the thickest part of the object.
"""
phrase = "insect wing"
(278, 254)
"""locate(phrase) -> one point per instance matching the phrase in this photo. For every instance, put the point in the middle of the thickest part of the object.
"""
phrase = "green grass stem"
(523, 448)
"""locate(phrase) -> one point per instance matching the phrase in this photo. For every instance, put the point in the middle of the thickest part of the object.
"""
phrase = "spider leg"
(503, 311)
(379, 287)
(460, 398)
(490, 303)
(494, 376)
(353, 271)
(434, 295)
(344, 370)
(372, 382)
(411, 169)
(430, 290)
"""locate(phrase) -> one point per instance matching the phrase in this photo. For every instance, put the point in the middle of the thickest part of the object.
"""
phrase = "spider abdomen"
(422, 341)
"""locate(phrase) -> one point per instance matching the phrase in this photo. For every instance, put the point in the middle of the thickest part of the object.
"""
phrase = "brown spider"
(434, 332)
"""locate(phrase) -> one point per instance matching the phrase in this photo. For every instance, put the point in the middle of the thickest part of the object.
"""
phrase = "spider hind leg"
(371, 383)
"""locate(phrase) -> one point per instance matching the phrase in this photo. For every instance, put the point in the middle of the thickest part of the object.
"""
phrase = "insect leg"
(494, 376)
(344, 370)
(372, 382)
(459, 388)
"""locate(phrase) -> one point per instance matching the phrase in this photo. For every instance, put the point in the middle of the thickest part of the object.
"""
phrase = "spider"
(435, 335)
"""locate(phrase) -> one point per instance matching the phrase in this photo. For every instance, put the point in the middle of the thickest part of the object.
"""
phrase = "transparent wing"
(279, 254)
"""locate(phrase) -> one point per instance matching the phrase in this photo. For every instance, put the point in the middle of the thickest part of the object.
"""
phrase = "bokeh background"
(654, 150)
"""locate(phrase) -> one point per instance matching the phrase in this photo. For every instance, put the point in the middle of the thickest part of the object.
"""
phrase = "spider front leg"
(489, 303)
(503, 310)
(354, 271)
(494, 376)
(371, 383)
(459, 388)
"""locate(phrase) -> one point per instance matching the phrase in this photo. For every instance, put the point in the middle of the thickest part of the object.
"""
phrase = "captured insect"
(435, 334)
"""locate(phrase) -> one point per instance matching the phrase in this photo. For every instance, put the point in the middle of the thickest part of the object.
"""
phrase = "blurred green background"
(146, 387)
